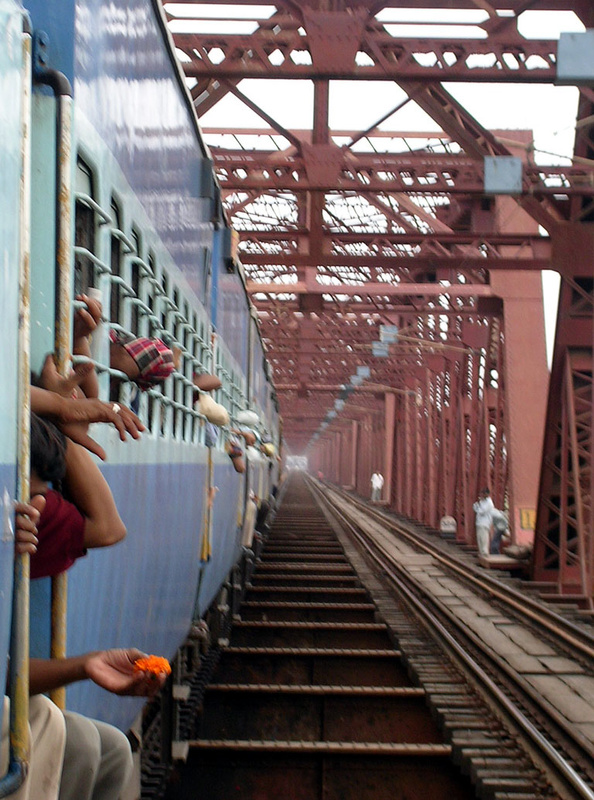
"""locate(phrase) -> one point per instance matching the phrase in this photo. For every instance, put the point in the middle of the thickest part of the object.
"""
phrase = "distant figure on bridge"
(377, 484)
(483, 508)
(500, 527)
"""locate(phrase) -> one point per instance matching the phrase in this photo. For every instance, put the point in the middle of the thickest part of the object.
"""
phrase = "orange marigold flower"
(154, 664)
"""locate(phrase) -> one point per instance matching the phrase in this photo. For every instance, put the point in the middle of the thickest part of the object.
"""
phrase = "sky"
(548, 110)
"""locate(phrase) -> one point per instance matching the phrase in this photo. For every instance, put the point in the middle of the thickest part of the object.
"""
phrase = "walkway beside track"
(566, 685)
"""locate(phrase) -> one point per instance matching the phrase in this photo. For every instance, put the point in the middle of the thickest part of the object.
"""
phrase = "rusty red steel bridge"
(396, 274)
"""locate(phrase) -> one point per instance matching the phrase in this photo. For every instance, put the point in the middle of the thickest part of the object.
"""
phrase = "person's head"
(484, 492)
(145, 361)
(48, 455)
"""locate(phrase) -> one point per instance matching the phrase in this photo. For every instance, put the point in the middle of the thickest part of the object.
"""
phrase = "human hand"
(77, 414)
(65, 386)
(86, 319)
(26, 518)
(114, 670)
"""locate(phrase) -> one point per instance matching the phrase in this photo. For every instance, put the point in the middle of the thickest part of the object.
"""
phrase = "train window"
(156, 292)
(135, 282)
(172, 327)
(84, 230)
(184, 332)
(142, 300)
(150, 295)
(115, 264)
(206, 272)
(153, 326)
(164, 305)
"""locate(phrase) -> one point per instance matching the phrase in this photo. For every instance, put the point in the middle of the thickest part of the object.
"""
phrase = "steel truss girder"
(564, 546)
(471, 262)
(291, 240)
(512, 59)
(239, 171)
(462, 433)
(449, 435)
(332, 40)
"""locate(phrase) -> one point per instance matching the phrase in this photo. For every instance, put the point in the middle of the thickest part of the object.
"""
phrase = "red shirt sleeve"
(60, 532)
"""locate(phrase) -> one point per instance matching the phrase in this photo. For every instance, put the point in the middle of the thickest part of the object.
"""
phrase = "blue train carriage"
(124, 202)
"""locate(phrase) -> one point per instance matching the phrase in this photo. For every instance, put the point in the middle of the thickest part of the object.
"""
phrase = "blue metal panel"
(124, 83)
(121, 69)
(216, 270)
(575, 58)
(43, 228)
(57, 20)
(10, 175)
(141, 592)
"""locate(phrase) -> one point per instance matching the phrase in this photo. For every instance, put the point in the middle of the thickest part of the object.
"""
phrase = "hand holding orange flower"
(155, 665)
(122, 672)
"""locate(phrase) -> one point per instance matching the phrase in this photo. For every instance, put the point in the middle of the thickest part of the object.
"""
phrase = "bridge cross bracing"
(349, 231)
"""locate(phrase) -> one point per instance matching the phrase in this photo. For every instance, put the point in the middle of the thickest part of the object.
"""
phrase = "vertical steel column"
(335, 457)
(429, 491)
(563, 532)
(419, 445)
(464, 485)
(389, 428)
(407, 451)
(526, 388)
(442, 499)
(354, 453)
(398, 477)
(368, 452)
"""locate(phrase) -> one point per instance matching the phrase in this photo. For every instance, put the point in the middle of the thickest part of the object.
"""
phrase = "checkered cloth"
(152, 356)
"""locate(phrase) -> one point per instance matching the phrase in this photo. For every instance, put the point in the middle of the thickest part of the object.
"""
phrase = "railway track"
(542, 674)
(329, 688)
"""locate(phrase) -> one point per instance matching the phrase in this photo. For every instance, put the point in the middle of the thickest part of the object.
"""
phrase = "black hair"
(48, 450)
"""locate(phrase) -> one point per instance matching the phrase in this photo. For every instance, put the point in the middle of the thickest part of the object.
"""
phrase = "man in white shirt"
(377, 482)
(483, 508)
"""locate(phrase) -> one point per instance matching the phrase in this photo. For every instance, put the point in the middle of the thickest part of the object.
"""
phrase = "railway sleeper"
(317, 612)
(465, 755)
(313, 667)
(355, 717)
(482, 769)
(328, 771)
(489, 785)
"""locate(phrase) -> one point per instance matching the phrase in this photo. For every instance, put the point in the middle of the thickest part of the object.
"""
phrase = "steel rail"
(574, 636)
(556, 759)
(564, 769)
(542, 621)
